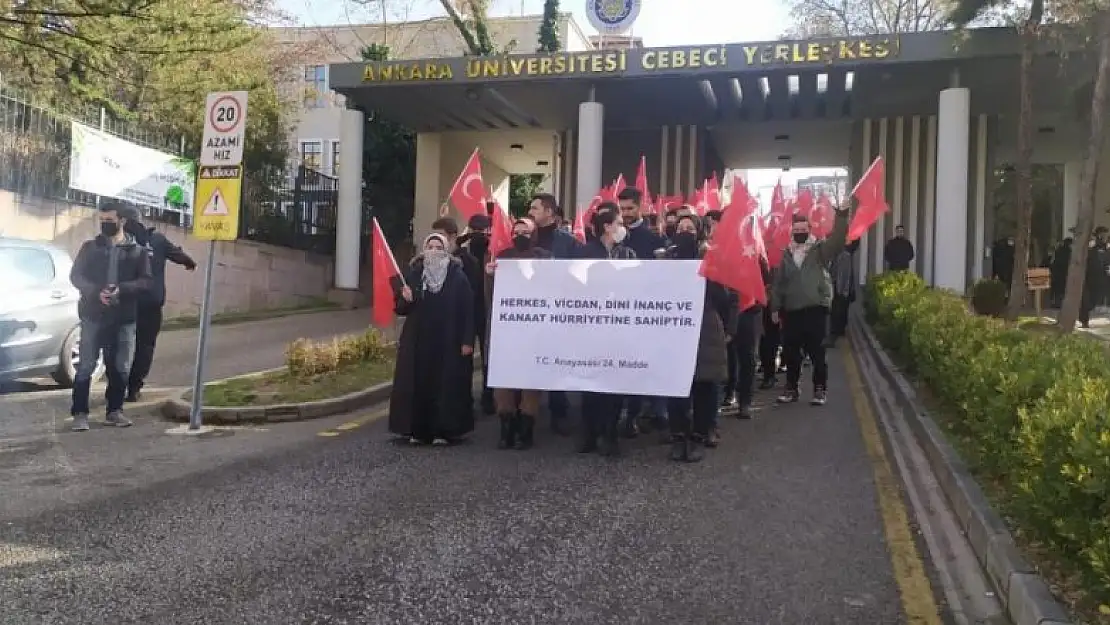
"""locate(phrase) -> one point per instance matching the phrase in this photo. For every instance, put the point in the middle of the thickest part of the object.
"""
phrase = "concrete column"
(912, 231)
(1072, 171)
(427, 198)
(591, 127)
(664, 158)
(930, 221)
(348, 216)
(864, 240)
(982, 168)
(953, 129)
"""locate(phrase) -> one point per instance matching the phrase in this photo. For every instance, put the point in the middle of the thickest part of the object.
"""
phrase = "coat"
(719, 313)
(431, 377)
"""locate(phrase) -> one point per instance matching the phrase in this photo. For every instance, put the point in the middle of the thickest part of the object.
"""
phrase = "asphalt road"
(280, 526)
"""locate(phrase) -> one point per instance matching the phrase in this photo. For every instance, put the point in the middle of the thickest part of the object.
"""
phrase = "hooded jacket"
(160, 249)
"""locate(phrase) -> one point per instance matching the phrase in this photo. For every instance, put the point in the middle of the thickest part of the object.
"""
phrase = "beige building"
(315, 139)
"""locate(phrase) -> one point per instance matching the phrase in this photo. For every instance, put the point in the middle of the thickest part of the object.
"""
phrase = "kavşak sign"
(610, 326)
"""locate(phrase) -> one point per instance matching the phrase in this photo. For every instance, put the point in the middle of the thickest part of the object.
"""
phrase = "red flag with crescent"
(468, 194)
(385, 271)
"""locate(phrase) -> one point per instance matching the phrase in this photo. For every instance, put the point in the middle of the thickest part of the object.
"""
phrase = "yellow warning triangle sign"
(216, 205)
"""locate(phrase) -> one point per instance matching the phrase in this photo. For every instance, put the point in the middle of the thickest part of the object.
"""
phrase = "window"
(315, 86)
(25, 267)
(312, 154)
(335, 158)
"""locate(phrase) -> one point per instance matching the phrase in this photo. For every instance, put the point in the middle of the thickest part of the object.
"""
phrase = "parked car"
(39, 328)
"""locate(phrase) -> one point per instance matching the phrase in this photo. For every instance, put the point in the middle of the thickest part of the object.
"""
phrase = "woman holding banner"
(516, 408)
(601, 411)
(689, 436)
(430, 379)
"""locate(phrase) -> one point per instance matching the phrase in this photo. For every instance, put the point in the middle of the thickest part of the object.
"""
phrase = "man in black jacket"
(148, 319)
(111, 272)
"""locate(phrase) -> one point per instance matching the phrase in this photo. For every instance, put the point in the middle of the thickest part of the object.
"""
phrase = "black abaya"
(431, 380)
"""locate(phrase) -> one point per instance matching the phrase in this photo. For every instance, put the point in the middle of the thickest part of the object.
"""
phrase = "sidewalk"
(780, 525)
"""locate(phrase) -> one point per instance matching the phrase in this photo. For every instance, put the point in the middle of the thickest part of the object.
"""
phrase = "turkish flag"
(870, 200)
(468, 194)
(580, 227)
(668, 202)
(821, 219)
(742, 200)
(385, 269)
(642, 186)
(777, 226)
(618, 185)
(804, 204)
(734, 258)
(501, 230)
(713, 193)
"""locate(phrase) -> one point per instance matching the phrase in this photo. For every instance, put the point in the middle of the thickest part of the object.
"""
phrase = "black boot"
(487, 401)
(695, 448)
(508, 431)
(559, 425)
(609, 446)
(527, 430)
(587, 435)
(678, 448)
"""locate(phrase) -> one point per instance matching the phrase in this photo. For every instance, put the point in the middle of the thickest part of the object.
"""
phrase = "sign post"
(1038, 280)
(216, 207)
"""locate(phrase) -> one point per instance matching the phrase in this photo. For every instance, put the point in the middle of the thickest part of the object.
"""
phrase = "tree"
(521, 190)
(1085, 222)
(843, 18)
(549, 27)
(151, 62)
(963, 13)
(472, 24)
(388, 166)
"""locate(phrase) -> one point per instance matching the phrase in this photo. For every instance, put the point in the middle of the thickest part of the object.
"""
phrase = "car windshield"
(25, 267)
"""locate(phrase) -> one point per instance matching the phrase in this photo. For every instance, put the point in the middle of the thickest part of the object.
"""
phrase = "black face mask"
(669, 231)
(109, 228)
(801, 237)
(686, 244)
(522, 242)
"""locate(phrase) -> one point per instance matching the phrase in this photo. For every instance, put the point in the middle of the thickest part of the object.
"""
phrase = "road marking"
(353, 424)
(909, 568)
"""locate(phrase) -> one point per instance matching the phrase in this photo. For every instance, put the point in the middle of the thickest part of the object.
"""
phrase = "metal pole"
(202, 340)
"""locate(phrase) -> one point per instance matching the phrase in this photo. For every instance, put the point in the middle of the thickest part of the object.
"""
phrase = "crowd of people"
(446, 296)
(120, 274)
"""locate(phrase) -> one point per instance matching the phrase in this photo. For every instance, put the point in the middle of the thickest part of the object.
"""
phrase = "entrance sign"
(815, 54)
(216, 208)
(612, 17)
(225, 128)
(609, 326)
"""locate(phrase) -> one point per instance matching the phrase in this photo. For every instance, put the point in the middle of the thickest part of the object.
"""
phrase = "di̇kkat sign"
(612, 17)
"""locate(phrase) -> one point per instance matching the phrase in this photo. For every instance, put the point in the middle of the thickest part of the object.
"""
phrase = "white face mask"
(619, 234)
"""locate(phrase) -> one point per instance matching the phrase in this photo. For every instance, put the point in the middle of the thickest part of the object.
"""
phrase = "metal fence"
(292, 209)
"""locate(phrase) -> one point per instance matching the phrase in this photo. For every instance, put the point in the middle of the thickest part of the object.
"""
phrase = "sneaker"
(440, 442)
(116, 418)
(80, 423)
(745, 411)
(820, 396)
(767, 383)
(713, 440)
(789, 396)
(415, 441)
(728, 400)
(133, 396)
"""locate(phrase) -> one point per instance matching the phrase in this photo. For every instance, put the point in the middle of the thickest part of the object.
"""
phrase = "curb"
(1024, 593)
(177, 409)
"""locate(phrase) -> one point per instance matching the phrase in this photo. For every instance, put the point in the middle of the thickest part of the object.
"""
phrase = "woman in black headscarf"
(429, 402)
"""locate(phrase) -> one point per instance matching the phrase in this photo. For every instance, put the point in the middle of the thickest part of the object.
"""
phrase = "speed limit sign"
(225, 124)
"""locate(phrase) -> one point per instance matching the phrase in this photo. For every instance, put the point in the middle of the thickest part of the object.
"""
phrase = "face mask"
(687, 244)
(619, 234)
(522, 242)
(435, 256)
(669, 231)
(109, 228)
(801, 237)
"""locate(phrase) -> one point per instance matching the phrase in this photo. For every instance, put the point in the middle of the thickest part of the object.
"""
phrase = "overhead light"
(517, 147)
(542, 163)
(1046, 130)
(782, 138)
(471, 94)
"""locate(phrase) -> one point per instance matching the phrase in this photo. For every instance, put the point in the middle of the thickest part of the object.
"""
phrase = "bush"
(1032, 410)
(305, 358)
(988, 297)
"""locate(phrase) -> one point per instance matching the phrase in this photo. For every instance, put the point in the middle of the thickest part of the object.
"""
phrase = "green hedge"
(1031, 409)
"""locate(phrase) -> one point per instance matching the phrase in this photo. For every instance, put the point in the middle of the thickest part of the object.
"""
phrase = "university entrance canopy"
(825, 78)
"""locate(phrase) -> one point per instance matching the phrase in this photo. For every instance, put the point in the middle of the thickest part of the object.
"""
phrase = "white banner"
(610, 326)
(106, 165)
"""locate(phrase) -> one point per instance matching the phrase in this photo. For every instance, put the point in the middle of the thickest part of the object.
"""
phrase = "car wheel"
(70, 357)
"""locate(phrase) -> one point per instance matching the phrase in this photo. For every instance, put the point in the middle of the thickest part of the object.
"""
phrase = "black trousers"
(693, 414)
(803, 331)
(838, 315)
(600, 413)
(148, 324)
(742, 349)
(769, 345)
(733, 367)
